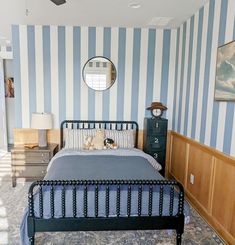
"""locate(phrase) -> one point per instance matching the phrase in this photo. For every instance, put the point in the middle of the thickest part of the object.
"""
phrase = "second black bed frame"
(97, 223)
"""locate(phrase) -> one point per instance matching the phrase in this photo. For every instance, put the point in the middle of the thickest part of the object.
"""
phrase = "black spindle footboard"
(85, 222)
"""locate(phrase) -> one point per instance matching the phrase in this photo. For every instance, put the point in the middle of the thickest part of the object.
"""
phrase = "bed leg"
(178, 238)
(31, 240)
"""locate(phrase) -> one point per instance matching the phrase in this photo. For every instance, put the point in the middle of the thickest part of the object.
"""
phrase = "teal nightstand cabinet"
(155, 136)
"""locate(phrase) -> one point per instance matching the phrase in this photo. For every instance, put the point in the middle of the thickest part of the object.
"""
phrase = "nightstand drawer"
(37, 157)
(156, 143)
(30, 158)
(157, 127)
(29, 171)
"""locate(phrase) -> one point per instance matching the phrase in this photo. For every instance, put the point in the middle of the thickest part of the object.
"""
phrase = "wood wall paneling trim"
(178, 160)
(186, 164)
(168, 153)
(212, 185)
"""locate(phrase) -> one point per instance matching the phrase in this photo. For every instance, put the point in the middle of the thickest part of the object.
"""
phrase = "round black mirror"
(99, 73)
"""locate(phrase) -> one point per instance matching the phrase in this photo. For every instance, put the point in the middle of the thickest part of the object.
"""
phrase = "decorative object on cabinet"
(31, 163)
(99, 73)
(42, 122)
(156, 109)
(9, 87)
(225, 72)
(155, 136)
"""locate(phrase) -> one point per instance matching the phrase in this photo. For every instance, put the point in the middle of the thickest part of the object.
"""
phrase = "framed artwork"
(9, 87)
(225, 72)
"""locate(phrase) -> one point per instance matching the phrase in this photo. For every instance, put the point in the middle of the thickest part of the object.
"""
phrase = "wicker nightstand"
(31, 164)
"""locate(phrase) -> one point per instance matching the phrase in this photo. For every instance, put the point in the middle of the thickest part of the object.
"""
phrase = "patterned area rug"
(14, 200)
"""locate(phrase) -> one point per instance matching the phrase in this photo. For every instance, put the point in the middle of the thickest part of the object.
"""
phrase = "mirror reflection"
(99, 73)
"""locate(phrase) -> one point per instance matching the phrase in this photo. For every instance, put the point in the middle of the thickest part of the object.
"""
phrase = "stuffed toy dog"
(109, 144)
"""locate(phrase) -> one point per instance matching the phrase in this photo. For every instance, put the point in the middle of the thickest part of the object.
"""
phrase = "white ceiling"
(93, 13)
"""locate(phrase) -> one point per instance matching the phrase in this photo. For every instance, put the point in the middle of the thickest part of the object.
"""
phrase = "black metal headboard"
(89, 124)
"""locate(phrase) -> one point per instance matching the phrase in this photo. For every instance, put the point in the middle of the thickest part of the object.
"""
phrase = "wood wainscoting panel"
(213, 191)
(200, 166)
(224, 195)
(178, 159)
(232, 230)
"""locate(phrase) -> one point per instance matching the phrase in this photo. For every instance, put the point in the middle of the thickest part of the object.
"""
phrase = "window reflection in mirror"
(99, 73)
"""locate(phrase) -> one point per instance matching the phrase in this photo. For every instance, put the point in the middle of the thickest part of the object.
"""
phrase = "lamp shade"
(41, 121)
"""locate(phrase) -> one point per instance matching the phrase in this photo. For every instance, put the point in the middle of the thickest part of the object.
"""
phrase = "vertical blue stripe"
(62, 73)
(215, 114)
(76, 72)
(121, 72)
(107, 54)
(135, 74)
(181, 77)
(31, 69)
(17, 75)
(91, 53)
(197, 72)
(207, 70)
(47, 67)
(165, 65)
(176, 76)
(150, 69)
(229, 124)
(189, 74)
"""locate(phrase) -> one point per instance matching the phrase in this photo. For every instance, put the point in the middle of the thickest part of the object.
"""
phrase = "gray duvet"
(101, 168)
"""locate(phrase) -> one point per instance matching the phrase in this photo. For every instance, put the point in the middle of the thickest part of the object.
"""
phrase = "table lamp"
(42, 122)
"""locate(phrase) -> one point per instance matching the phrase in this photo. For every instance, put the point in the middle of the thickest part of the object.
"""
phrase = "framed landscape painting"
(225, 72)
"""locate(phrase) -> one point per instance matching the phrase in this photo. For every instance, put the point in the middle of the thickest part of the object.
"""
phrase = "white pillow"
(74, 138)
(123, 138)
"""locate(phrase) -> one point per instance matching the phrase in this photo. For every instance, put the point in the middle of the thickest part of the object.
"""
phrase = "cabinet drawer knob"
(155, 155)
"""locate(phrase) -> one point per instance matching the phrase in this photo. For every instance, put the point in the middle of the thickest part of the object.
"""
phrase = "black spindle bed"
(37, 223)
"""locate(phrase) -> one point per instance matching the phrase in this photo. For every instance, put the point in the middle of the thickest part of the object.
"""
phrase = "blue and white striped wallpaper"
(195, 113)
(176, 67)
(48, 62)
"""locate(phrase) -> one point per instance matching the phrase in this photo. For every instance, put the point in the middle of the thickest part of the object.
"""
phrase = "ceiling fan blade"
(58, 2)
